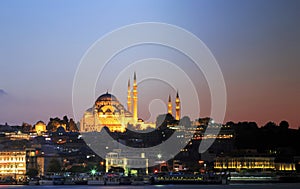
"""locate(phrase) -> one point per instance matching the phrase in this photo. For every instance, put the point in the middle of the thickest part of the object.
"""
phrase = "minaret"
(129, 107)
(177, 107)
(170, 106)
(135, 100)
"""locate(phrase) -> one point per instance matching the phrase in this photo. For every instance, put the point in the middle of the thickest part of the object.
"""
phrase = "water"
(231, 186)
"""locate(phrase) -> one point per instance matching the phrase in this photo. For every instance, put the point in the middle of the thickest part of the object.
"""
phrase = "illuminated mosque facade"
(108, 111)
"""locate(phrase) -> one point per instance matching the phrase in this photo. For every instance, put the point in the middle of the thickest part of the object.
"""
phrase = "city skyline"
(256, 44)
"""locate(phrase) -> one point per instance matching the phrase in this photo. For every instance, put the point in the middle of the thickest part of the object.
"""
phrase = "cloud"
(2, 92)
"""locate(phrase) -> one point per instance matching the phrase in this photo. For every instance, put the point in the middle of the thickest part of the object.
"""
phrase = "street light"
(93, 172)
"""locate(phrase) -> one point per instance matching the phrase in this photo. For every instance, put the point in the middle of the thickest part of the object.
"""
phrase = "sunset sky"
(255, 42)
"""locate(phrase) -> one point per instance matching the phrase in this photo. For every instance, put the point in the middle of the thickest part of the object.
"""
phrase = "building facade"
(40, 128)
(13, 164)
(136, 164)
(252, 163)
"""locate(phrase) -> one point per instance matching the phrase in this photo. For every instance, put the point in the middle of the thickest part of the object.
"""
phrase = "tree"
(186, 121)
(77, 169)
(72, 125)
(163, 120)
(66, 119)
(284, 124)
(230, 123)
(54, 166)
(26, 128)
(270, 125)
(32, 172)
(164, 169)
(253, 125)
(66, 122)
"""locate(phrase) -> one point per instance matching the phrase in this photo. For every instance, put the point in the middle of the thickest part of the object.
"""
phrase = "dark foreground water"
(231, 186)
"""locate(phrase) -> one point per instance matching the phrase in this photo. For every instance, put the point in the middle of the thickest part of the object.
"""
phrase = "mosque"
(108, 111)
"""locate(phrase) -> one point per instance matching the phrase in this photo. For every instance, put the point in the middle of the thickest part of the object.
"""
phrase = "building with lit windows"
(285, 166)
(252, 163)
(17, 135)
(13, 164)
(238, 163)
(135, 164)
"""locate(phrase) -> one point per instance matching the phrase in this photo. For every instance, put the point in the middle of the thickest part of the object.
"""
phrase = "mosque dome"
(108, 104)
(106, 97)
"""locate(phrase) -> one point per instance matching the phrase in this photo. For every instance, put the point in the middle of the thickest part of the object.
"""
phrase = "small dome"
(40, 123)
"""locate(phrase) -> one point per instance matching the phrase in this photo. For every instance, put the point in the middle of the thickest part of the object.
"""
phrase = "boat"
(69, 181)
(33, 181)
(58, 180)
(81, 182)
(137, 180)
(125, 180)
(82, 179)
(96, 182)
(46, 181)
(53, 180)
(99, 180)
(112, 179)
(264, 177)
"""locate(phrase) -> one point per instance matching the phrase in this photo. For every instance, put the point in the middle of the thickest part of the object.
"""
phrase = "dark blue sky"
(256, 44)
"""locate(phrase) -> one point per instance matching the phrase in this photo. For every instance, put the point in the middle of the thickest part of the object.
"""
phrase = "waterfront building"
(285, 166)
(35, 159)
(13, 164)
(238, 163)
(17, 135)
(132, 164)
(259, 163)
